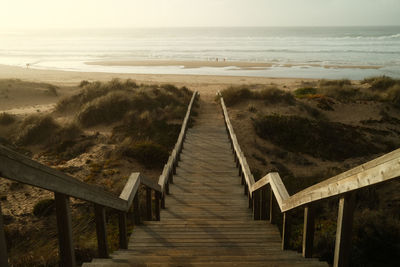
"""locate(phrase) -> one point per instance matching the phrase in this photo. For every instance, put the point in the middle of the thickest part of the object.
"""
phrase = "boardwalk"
(206, 221)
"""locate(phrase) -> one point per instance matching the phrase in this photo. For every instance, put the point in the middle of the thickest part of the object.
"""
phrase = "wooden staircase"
(207, 221)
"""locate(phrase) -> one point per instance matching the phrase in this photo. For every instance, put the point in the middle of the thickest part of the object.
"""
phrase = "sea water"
(309, 52)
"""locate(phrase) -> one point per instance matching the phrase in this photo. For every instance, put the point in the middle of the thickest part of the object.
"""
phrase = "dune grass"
(236, 94)
(6, 118)
(322, 139)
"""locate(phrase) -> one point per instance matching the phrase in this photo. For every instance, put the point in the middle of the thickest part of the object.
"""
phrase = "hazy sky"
(164, 13)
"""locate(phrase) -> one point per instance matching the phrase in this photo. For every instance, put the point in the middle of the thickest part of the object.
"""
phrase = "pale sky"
(196, 13)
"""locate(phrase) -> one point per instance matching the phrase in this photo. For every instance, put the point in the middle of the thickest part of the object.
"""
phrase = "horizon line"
(183, 27)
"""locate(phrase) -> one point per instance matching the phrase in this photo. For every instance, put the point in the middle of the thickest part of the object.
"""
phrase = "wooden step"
(206, 221)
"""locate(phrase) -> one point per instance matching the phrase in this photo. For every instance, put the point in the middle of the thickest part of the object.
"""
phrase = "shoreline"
(221, 63)
(73, 78)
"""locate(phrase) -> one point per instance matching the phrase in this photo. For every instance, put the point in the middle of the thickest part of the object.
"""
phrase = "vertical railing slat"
(136, 209)
(343, 230)
(149, 207)
(285, 231)
(3, 243)
(123, 241)
(271, 206)
(157, 205)
(263, 208)
(308, 231)
(64, 228)
(101, 230)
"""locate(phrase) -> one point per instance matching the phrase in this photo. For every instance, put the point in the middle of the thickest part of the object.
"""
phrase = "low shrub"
(304, 92)
(148, 153)
(324, 139)
(83, 83)
(335, 83)
(343, 94)
(376, 240)
(234, 95)
(105, 109)
(52, 90)
(36, 129)
(381, 83)
(393, 95)
(44, 207)
(6, 118)
(274, 95)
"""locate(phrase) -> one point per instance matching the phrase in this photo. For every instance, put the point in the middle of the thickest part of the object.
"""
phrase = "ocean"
(309, 52)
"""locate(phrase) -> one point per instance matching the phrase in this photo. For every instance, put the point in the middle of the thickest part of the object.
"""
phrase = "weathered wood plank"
(64, 229)
(130, 189)
(3, 243)
(344, 230)
(17, 167)
(308, 231)
(101, 231)
(123, 241)
(378, 173)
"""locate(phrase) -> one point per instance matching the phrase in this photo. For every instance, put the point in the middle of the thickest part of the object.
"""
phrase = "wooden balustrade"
(342, 186)
(17, 167)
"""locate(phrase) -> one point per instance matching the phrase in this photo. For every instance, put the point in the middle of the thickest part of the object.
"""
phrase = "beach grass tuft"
(271, 95)
(6, 118)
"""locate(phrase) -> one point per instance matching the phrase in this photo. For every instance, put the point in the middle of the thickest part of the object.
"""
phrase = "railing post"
(167, 188)
(157, 205)
(256, 205)
(308, 231)
(271, 207)
(250, 199)
(163, 201)
(175, 164)
(136, 209)
(343, 230)
(263, 208)
(246, 189)
(65, 241)
(286, 231)
(3, 244)
(123, 241)
(101, 230)
(148, 204)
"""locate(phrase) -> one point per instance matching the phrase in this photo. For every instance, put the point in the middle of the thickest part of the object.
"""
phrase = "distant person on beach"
(27, 65)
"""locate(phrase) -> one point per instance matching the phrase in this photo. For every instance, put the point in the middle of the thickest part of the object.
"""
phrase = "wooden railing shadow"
(342, 186)
(17, 167)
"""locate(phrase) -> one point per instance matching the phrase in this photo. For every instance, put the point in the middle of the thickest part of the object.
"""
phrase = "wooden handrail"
(171, 164)
(373, 172)
(239, 156)
(382, 169)
(17, 167)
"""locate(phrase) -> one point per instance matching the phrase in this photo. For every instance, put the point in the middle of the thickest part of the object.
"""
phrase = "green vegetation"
(150, 154)
(323, 139)
(44, 207)
(381, 83)
(6, 119)
(393, 95)
(269, 95)
(335, 83)
(36, 129)
(304, 92)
